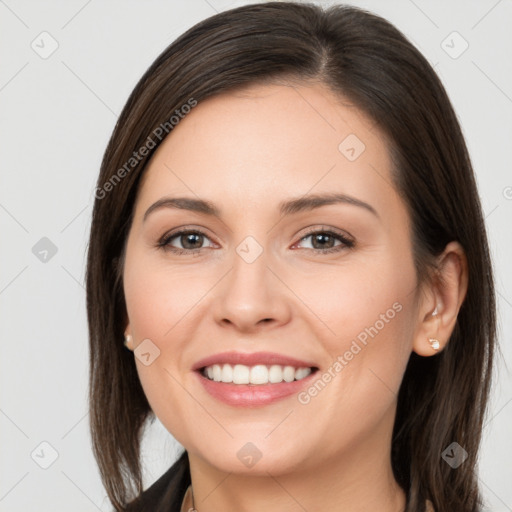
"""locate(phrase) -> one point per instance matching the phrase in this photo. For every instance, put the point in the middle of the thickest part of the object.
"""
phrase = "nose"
(251, 296)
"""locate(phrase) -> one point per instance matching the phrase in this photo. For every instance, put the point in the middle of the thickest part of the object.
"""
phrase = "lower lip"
(247, 395)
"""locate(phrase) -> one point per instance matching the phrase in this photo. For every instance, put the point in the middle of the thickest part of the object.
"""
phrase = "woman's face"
(276, 269)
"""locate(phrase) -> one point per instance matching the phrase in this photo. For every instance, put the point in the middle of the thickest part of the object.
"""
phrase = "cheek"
(361, 301)
(367, 356)
(369, 315)
(162, 306)
(158, 298)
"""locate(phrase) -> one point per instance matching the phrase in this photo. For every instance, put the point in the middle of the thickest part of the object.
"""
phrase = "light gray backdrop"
(66, 70)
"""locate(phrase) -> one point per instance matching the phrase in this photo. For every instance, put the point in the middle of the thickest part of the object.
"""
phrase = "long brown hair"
(363, 57)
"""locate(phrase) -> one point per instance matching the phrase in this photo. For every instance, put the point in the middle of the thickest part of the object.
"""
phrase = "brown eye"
(322, 241)
(327, 241)
(191, 240)
(188, 241)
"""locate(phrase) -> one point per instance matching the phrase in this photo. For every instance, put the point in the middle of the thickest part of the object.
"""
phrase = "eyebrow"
(288, 207)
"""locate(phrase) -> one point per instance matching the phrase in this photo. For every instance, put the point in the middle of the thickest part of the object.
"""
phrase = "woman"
(288, 236)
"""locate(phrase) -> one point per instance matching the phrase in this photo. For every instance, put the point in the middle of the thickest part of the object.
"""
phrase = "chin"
(249, 458)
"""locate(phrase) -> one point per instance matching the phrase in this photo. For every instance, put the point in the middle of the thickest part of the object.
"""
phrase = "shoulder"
(153, 496)
(167, 493)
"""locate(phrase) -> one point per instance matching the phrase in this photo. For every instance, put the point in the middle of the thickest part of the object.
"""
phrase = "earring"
(127, 341)
(434, 343)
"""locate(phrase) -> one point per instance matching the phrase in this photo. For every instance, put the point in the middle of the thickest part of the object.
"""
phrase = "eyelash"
(346, 243)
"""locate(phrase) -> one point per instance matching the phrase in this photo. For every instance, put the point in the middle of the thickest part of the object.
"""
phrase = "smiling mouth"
(256, 375)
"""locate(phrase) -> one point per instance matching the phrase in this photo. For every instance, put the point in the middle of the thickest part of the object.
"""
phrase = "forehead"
(266, 141)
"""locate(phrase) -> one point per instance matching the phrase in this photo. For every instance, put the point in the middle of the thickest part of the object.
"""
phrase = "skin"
(246, 152)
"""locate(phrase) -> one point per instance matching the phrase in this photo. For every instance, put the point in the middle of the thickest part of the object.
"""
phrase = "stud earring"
(127, 341)
(434, 343)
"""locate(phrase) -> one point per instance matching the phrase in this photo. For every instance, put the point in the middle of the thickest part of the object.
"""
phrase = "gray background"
(57, 112)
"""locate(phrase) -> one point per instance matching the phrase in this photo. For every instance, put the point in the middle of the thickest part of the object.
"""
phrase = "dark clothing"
(167, 493)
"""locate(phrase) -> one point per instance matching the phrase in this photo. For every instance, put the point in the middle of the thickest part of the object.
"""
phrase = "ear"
(128, 338)
(441, 301)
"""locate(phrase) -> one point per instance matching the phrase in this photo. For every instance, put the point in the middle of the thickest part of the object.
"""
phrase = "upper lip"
(252, 359)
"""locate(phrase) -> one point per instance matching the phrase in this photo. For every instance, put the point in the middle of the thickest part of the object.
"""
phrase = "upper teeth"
(259, 374)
